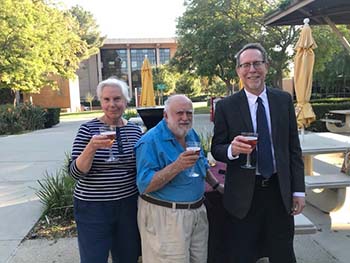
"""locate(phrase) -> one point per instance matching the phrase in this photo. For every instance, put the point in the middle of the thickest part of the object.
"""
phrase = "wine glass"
(195, 147)
(110, 132)
(252, 141)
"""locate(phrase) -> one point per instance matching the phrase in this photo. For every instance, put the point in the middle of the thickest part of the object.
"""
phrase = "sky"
(133, 18)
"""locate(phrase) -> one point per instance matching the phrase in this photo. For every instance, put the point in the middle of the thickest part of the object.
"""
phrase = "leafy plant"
(21, 118)
(205, 138)
(129, 113)
(89, 98)
(56, 192)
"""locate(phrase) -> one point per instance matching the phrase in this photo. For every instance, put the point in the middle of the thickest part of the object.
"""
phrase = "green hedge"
(24, 117)
(52, 117)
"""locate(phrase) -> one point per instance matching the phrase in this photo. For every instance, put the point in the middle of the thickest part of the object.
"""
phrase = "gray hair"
(173, 97)
(257, 46)
(116, 83)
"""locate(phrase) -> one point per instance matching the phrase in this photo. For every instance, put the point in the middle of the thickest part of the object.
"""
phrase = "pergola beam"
(339, 34)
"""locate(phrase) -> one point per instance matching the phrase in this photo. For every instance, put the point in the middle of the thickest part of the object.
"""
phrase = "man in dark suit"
(262, 201)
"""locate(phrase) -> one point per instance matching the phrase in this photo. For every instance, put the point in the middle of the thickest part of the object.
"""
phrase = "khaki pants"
(172, 235)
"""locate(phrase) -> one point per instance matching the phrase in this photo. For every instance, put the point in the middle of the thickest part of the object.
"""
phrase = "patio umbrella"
(303, 67)
(147, 93)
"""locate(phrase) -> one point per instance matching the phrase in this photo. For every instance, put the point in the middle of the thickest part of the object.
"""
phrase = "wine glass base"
(112, 159)
(193, 175)
(248, 167)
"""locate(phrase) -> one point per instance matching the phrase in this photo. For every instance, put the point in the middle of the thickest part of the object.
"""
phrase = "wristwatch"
(216, 185)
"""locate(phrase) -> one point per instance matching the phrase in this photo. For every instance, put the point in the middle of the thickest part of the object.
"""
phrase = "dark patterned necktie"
(264, 152)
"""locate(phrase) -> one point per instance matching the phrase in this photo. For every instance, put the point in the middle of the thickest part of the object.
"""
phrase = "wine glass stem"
(110, 153)
(248, 160)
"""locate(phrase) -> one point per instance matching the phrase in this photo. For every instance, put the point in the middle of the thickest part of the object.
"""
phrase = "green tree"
(164, 74)
(213, 87)
(210, 32)
(328, 46)
(37, 41)
(332, 61)
(87, 30)
(188, 84)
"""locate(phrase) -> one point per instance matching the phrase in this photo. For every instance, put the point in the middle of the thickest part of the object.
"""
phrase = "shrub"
(52, 117)
(130, 113)
(206, 138)
(24, 117)
(56, 192)
(32, 118)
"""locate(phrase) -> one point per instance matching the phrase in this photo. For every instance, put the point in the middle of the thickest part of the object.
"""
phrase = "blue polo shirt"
(158, 148)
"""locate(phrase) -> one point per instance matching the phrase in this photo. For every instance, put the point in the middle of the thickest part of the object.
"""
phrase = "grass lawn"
(200, 108)
(76, 115)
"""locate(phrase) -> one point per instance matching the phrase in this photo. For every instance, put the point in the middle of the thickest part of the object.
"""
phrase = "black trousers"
(267, 230)
(219, 223)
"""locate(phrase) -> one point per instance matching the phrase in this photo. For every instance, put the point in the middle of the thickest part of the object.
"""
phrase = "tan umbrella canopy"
(147, 93)
(303, 67)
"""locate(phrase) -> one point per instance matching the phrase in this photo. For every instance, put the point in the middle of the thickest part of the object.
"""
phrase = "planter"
(151, 115)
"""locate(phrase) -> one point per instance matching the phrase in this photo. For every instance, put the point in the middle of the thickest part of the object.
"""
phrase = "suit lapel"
(244, 109)
(274, 109)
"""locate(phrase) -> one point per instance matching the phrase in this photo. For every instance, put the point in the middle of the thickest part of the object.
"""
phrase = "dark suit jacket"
(232, 116)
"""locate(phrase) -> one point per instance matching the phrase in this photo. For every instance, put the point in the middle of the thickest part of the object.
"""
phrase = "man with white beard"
(172, 217)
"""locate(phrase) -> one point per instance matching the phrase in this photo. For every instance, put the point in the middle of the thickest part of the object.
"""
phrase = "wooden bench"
(331, 193)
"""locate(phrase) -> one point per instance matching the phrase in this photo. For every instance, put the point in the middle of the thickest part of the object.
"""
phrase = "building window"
(164, 55)
(137, 58)
(114, 63)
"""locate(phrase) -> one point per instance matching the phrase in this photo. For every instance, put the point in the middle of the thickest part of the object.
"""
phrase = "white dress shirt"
(253, 105)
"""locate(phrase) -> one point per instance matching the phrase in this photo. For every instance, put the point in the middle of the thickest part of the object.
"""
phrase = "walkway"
(24, 159)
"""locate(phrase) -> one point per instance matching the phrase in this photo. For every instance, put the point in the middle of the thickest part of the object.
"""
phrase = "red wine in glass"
(110, 132)
(252, 141)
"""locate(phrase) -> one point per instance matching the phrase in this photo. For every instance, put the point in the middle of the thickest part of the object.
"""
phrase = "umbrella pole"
(302, 133)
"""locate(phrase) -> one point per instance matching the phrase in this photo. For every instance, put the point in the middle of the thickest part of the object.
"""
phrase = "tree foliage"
(37, 40)
(210, 32)
(332, 60)
(188, 84)
(87, 30)
(213, 87)
(164, 74)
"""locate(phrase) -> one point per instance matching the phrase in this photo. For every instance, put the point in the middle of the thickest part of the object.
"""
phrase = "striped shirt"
(106, 181)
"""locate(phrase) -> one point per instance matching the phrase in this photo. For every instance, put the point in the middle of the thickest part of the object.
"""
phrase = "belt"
(173, 205)
(262, 182)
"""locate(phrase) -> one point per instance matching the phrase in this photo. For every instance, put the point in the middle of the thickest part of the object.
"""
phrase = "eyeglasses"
(256, 65)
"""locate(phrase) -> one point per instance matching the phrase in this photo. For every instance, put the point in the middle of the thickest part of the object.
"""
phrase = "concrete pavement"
(24, 159)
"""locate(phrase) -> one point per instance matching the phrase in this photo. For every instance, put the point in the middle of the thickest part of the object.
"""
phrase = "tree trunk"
(228, 87)
(17, 100)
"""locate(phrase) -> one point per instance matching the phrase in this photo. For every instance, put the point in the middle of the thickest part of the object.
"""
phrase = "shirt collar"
(252, 97)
